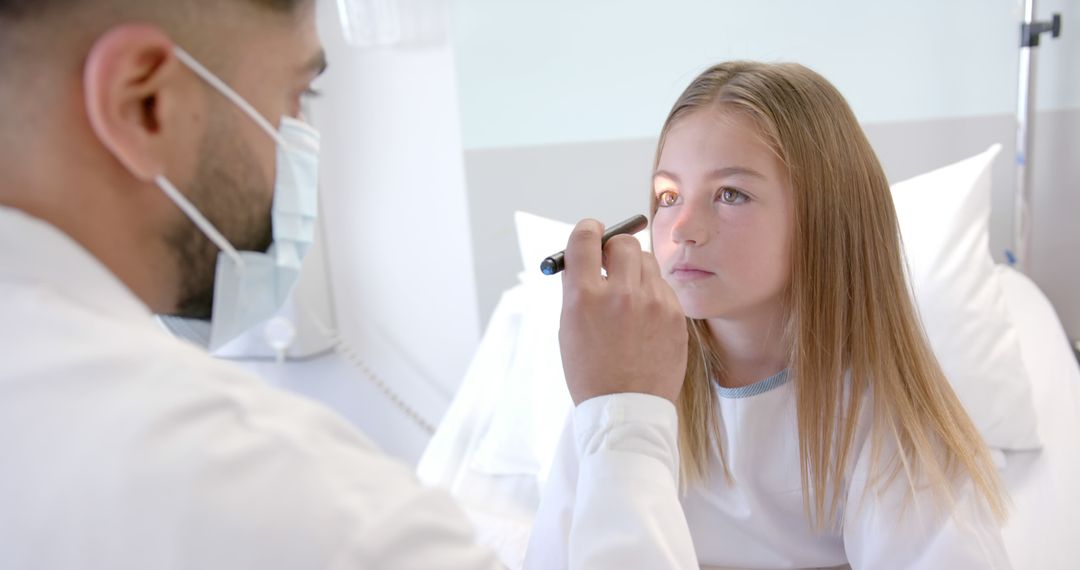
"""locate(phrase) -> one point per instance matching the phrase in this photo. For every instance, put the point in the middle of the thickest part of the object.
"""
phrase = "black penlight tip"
(549, 266)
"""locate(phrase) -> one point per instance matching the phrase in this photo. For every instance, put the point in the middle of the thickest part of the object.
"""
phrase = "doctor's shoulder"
(229, 401)
(283, 474)
(166, 457)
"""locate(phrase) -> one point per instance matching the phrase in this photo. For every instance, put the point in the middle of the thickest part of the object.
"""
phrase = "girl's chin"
(712, 303)
(700, 311)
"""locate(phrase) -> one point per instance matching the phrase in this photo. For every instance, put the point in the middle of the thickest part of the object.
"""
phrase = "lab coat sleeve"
(288, 485)
(611, 499)
(427, 531)
(897, 528)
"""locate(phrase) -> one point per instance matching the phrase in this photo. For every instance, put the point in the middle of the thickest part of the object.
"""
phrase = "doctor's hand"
(622, 333)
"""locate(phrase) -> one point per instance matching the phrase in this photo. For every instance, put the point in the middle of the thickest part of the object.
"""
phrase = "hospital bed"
(496, 441)
(1043, 531)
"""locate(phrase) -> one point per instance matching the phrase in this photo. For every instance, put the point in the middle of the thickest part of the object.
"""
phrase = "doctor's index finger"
(622, 258)
(584, 254)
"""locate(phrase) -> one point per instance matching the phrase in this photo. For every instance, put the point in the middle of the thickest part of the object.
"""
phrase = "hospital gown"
(757, 519)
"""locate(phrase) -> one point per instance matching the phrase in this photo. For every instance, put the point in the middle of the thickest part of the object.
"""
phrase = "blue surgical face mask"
(250, 287)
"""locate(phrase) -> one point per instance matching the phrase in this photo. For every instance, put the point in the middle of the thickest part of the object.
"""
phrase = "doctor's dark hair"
(14, 10)
(854, 335)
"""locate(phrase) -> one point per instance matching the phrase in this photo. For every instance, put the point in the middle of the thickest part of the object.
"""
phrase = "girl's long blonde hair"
(854, 332)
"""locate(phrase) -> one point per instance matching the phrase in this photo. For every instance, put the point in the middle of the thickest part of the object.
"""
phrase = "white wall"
(394, 200)
(559, 71)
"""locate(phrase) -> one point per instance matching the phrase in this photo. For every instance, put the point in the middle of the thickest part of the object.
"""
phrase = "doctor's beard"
(229, 189)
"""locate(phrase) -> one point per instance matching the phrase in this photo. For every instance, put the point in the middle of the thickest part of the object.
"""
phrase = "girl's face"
(722, 231)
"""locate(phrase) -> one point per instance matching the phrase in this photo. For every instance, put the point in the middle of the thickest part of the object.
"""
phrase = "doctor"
(145, 146)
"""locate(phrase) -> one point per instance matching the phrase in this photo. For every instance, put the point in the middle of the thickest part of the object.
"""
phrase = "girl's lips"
(690, 273)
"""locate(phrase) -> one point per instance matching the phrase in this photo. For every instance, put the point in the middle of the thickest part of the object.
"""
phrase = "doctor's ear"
(132, 87)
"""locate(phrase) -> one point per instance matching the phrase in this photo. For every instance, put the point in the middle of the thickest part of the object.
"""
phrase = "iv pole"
(1030, 32)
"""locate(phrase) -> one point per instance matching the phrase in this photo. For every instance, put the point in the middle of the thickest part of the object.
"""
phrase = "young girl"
(816, 429)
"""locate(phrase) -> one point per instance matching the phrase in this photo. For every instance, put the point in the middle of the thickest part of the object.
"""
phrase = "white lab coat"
(124, 448)
(758, 520)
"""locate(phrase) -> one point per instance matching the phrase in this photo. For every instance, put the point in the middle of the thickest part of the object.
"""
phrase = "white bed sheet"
(498, 479)
(495, 444)
(1043, 531)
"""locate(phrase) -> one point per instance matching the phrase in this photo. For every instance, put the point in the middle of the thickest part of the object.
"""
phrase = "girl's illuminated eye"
(667, 198)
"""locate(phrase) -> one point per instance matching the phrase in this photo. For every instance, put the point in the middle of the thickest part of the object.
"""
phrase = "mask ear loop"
(171, 191)
(209, 77)
(198, 219)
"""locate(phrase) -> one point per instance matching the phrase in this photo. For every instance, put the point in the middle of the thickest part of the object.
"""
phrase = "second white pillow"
(944, 218)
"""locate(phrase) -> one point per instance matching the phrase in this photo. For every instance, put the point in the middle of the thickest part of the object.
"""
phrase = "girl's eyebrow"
(713, 174)
(665, 174)
(734, 171)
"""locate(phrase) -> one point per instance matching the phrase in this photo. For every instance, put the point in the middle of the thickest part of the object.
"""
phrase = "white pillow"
(538, 237)
(519, 362)
(532, 396)
(944, 219)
